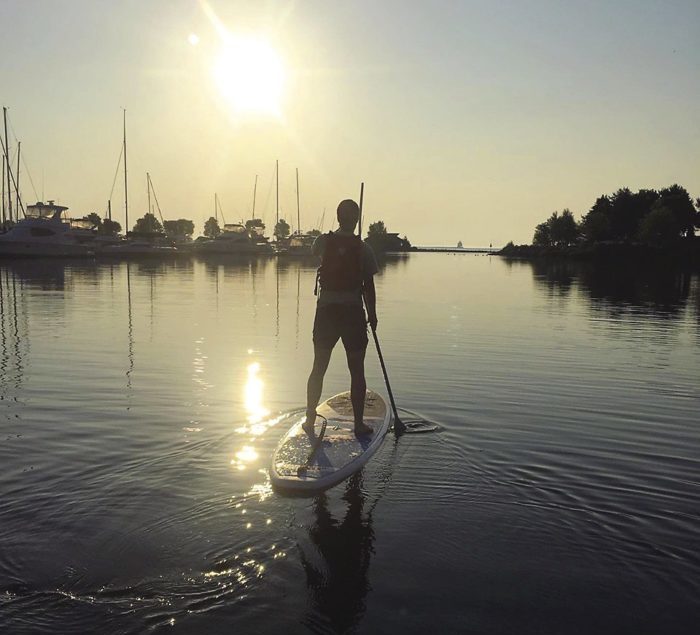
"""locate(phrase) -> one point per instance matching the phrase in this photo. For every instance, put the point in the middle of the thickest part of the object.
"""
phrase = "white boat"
(46, 232)
(298, 246)
(235, 239)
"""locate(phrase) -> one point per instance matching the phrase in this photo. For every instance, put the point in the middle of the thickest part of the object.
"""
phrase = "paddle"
(399, 426)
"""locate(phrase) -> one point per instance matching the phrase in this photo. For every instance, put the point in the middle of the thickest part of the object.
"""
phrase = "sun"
(250, 75)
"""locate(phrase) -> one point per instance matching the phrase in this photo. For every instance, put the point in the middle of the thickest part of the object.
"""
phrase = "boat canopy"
(235, 228)
(301, 240)
(80, 223)
(45, 210)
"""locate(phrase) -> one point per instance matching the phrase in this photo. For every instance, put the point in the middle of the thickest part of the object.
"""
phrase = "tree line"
(377, 235)
(652, 217)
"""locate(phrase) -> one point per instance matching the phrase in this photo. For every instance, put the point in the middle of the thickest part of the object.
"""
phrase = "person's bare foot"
(308, 425)
(362, 430)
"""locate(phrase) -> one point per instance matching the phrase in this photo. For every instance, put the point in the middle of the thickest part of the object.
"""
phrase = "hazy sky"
(467, 121)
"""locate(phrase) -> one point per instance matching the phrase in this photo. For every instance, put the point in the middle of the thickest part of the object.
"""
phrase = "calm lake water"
(141, 403)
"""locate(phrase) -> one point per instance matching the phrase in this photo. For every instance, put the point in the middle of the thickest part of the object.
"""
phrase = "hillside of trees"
(625, 223)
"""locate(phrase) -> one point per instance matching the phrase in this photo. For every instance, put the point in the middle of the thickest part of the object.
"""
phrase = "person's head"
(348, 214)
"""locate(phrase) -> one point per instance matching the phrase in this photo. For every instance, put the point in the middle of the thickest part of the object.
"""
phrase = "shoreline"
(683, 252)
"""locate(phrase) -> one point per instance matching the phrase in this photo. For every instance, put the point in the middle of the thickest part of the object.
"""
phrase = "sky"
(467, 121)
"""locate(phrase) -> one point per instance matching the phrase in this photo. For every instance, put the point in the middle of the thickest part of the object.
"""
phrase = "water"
(141, 404)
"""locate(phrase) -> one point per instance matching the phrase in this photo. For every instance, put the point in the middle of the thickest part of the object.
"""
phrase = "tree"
(109, 227)
(542, 237)
(676, 199)
(623, 218)
(95, 219)
(314, 232)
(179, 228)
(659, 227)
(595, 225)
(560, 230)
(594, 228)
(148, 224)
(211, 228)
(564, 230)
(627, 211)
(281, 229)
(377, 229)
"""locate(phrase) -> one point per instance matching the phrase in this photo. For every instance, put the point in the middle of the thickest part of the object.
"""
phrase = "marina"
(349, 318)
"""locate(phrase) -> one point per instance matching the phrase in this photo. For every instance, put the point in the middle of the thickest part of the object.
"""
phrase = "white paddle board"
(340, 453)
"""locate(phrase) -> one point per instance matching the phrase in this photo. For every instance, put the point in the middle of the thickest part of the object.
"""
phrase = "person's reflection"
(337, 589)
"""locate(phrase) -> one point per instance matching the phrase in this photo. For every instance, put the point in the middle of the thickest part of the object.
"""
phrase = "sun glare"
(193, 39)
(250, 75)
(254, 395)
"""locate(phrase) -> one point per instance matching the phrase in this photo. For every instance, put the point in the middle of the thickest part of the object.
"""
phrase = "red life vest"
(341, 263)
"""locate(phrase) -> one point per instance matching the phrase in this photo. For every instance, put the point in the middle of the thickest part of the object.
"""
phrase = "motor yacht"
(46, 232)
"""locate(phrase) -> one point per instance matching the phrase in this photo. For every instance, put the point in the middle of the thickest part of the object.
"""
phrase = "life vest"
(341, 263)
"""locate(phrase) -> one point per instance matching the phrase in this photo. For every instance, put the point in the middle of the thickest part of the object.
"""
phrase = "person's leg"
(358, 389)
(314, 387)
(325, 336)
(354, 335)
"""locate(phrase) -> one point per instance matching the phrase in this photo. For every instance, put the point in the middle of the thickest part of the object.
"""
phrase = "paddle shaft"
(398, 424)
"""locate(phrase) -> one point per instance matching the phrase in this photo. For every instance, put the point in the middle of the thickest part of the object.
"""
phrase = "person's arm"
(370, 301)
(317, 247)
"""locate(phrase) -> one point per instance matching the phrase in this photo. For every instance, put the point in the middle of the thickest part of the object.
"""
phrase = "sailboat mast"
(255, 190)
(155, 198)
(126, 183)
(277, 197)
(221, 209)
(109, 209)
(7, 166)
(19, 148)
(148, 188)
(3, 189)
(216, 209)
(298, 213)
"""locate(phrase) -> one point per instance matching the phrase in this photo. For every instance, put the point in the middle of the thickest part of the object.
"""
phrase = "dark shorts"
(341, 321)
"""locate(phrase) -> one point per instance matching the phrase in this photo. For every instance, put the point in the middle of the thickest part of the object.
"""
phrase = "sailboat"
(235, 239)
(299, 244)
(138, 244)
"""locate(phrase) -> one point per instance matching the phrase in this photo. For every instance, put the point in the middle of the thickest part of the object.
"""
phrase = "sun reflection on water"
(254, 388)
(247, 454)
(256, 412)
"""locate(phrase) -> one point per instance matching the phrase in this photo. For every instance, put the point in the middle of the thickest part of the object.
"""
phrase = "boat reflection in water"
(337, 577)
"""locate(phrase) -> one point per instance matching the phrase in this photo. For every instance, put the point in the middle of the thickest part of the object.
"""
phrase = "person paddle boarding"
(346, 275)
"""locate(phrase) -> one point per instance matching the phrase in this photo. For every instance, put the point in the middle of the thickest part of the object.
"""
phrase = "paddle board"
(340, 453)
